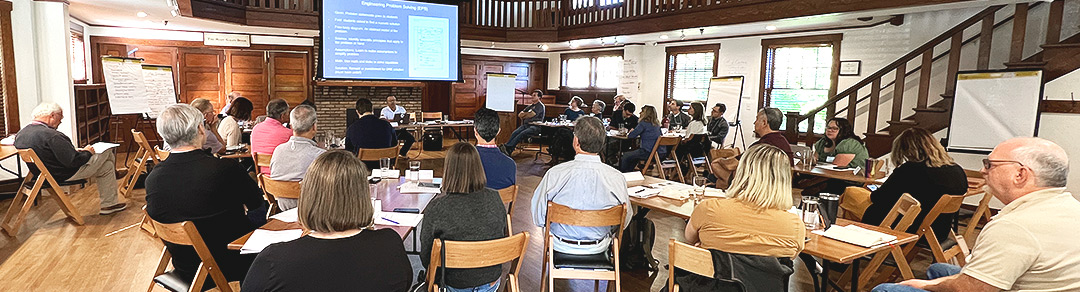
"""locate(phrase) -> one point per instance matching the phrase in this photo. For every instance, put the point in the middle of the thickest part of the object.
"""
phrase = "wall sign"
(226, 40)
(850, 68)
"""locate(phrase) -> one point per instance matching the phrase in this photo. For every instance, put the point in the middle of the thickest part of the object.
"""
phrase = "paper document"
(642, 192)
(389, 173)
(9, 140)
(399, 219)
(393, 124)
(100, 147)
(413, 188)
(288, 216)
(262, 238)
(836, 168)
(856, 235)
(633, 176)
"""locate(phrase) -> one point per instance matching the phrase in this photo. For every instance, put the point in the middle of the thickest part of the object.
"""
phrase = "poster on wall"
(125, 85)
(630, 80)
(160, 92)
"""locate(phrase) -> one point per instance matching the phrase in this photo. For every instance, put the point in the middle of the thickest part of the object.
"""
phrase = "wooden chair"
(274, 190)
(477, 254)
(689, 258)
(945, 205)
(184, 233)
(161, 154)
(695, 162)
(137, 167)
(31, 188)
(900, 217)
(261, 161)
(982, 212)
(374, 154)
(664, 164)
(508, 195)
(599, 266)
(427, 116)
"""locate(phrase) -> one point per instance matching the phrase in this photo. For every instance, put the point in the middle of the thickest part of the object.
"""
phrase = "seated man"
(584, 183)
(65, 162)
(767, 128)
(718, 126)
(616, 109)
(193, 185)
(628, 121)
(292, 159)
(500, 170)
(270, 133)
(597, 109)
(532, 113)
(676, 116)
(369, 132)
(1028, 246)
(394, 113)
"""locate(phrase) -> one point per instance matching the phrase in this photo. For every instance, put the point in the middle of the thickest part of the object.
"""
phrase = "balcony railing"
(518, 14)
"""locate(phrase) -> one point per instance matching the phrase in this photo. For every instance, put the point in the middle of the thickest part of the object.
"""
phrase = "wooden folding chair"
(428, 116)
(982, 212)
(689, 258)
(666, 163)
(137, 167)
(954, 254)
(478, 254)
(184, 233)
(374, 154)
(695, 162)
(900, 217)
(30, 188)
(274, 190)
(592, 267)
(161, 154)
(262, 161)
(508, 195)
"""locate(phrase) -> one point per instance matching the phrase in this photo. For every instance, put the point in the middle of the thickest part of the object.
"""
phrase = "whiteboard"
(160, 92)
(500, 91)
(991, 107)
(726, 90)
(125, 85)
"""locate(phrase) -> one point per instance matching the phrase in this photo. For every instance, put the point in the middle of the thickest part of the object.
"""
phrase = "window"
(582, 4)
(594, 70)
(78, 58)
(689, 70)
(800, 75)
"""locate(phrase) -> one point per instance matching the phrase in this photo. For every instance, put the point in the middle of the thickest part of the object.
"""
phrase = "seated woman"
(574, 111)
(841, 147)
(213, 193)
(696, 141)
(466, 211)
(229, 127)
(753, 220)
(926, 172)
(648, 128)
(343, 252)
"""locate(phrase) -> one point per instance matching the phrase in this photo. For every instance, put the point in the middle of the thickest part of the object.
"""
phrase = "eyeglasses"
(832, 128)
(988, 163)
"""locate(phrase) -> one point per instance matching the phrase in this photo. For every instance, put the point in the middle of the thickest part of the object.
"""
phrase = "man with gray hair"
(585, 183)
(767, 128)
(598, 109)
(271, 132)
(292, 158)
(65, 162)
(1028, 245)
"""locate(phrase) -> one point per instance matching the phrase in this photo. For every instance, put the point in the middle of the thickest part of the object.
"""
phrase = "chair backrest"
(982, 211)
(374, 154)
(690, 258)
(906, 209)
(161, 154)
(143, 144)
(478, 254)
(34, 164)
(945, 205)
(280, 189)
(261, 160)
(185, 233)
(425, 116)
(508, 194)
(614, 216)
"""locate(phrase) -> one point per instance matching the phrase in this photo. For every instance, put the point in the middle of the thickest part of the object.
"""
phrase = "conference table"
(845, 175)
(456, 127)
(385, 191)
(829, 250)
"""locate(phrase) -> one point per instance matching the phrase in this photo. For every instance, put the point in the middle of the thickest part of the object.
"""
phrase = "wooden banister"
(1016, 48)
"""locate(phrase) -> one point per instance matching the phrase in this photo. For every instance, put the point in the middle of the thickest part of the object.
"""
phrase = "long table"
(386, 191)
(828, 249)
(455, 127)
(846, 175)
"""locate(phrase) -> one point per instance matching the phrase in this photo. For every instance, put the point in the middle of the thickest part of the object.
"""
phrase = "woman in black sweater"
(926, 172)
(342, 253)
(466, 211)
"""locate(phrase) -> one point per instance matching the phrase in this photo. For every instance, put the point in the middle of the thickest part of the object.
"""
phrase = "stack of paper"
(413, 188)
(399, 219)
(642, 192)
(101, 147)
(288, 216)
(857, 235)
(262, 238)
(633, 176)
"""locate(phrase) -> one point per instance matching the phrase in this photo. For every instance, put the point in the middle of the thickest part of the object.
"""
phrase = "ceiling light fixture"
(573, 44)
(141, 14)
(771, 27)
(492, 44)
(663, 36)
(682, 35)
(543, 47)
(175, 12)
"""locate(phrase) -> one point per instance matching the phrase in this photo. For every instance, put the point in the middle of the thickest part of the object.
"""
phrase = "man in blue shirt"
(584, 183)
(532, 113)
(369, 132)
(501, 171)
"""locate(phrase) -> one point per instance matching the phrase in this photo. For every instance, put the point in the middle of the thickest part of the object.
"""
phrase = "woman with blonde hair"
(648, 128)
(342, 252)
(466, 211)
(925, 171)
(754, 219)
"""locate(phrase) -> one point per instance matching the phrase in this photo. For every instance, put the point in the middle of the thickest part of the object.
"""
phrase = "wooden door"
(201, 76)
(289, 76)
(466, 94)
(114, 50)
(245, 72)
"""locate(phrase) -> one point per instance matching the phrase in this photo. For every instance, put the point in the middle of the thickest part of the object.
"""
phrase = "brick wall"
(332, 101)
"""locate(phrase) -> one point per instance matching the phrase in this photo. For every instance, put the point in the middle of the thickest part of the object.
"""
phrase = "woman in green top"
(841, 143)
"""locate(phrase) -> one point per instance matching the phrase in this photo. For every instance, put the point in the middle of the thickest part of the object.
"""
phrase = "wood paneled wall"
(471, 94)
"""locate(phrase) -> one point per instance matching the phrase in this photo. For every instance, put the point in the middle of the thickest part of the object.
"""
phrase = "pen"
(391, 221)
(641, 190)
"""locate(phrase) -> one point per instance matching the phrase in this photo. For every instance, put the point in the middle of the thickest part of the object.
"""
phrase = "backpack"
(562, 145)
(637, 244)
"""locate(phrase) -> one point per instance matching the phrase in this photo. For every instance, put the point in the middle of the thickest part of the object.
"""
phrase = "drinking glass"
(384, 164)
(699, 188)
(414, 170)
(809, 208)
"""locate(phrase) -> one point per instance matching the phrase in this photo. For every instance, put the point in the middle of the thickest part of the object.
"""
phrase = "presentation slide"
(389, 40)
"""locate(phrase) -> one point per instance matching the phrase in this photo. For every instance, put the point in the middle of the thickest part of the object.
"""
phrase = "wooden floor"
(51, 253)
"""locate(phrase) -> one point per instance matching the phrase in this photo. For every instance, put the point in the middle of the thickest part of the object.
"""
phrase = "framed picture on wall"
(850, 68)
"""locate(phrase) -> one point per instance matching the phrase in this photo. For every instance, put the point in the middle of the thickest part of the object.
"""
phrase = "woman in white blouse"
(696, 140)
(229, 128)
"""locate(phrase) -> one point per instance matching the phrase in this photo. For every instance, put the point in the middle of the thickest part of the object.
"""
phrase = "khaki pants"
(102, 169)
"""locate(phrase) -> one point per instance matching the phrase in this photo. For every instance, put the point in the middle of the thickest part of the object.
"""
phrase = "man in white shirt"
(291, 159)
(396, 114)
(228, 103)
(1031, 244)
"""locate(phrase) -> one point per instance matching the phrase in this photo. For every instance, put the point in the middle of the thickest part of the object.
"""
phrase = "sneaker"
(113, 209)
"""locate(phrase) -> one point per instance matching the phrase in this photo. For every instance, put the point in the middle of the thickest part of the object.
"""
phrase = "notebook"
(856, 235)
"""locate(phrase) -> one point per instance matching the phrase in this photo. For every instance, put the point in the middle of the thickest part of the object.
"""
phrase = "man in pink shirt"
(270, 133)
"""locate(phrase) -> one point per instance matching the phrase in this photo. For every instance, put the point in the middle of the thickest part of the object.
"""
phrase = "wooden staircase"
(1056, 57)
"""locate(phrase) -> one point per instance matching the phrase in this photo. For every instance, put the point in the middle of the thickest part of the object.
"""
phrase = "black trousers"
(406, 137)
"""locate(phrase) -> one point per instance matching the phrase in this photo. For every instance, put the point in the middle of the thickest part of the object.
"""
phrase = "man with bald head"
(396, 113)
(1031, 244)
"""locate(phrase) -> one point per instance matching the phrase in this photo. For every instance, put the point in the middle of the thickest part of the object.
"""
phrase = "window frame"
(669, 65)
(592, 56)
(77, 35)
(767, 45)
